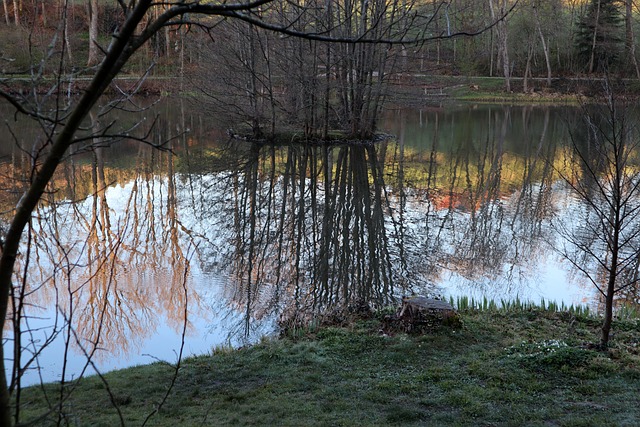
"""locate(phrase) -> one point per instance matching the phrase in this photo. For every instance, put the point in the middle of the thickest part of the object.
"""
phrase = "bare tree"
(603, 233)
(498, 15)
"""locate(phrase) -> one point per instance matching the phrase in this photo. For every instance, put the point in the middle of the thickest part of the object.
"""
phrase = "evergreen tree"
(599, 35)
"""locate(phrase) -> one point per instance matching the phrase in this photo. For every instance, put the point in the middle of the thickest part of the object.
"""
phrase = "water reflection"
(486, 192)
(112, 264)
(313, 227)
(105, 264)
(228, 236)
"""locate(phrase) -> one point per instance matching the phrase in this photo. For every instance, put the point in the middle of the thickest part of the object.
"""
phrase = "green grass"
(492, 90)
(485, 304)
(527, 366)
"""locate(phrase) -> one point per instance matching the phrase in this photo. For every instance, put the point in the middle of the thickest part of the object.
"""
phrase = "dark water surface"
(232, 236)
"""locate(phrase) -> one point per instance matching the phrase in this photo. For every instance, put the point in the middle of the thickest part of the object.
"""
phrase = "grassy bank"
(502, 367)
(420, 89)
(492, 90)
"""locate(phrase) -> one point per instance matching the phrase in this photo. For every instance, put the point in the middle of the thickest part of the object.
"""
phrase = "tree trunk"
(613, 274)
(506, 66)
(503, 43)
(327, 93)
(491, 44)
(5, 399)
(593, 43)
(93, 33)
(167, 41)
(545, 47)
(629, 41)
(16, 15)
(6, 12)
(608, 313)
(65, 31)
(436, 30)
(527, 69)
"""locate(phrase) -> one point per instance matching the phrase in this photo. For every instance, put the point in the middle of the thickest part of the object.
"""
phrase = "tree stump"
(419, 313)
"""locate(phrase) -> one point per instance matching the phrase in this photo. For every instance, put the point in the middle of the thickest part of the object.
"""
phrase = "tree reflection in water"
(106, 260)
(478, 197)
(245, 233)
(317, 227)
(312, 229)
(112, 262)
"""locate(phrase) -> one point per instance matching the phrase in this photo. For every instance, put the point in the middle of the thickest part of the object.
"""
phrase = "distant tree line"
(266, 78)
(574, 37)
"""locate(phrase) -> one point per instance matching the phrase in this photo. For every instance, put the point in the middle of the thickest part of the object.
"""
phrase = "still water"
(221, 238)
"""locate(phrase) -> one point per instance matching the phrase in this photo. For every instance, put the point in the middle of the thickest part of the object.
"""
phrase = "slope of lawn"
(514, 367)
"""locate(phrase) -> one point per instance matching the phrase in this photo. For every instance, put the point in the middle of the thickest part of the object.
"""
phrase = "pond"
(222, 238)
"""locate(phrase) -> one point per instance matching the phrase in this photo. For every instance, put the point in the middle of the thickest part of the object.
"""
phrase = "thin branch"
(22, 109)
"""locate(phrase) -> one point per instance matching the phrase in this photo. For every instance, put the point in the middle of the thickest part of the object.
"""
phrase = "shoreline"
(517, 366)
(407, 89)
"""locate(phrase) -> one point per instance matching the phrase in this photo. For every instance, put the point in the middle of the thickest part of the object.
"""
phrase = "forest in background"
(551, 38)
(269, 81)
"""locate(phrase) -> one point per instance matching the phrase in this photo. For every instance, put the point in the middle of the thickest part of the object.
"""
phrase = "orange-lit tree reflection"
(119, 254)
(474, 200)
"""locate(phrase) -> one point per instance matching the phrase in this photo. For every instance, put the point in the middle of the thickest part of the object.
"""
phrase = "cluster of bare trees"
(527, 38)
(305, 82)
(551, 38)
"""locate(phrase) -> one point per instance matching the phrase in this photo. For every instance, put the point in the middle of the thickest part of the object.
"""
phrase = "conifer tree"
(599, 36)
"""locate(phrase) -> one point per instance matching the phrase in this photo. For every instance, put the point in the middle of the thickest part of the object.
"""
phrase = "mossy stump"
(419, 313)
